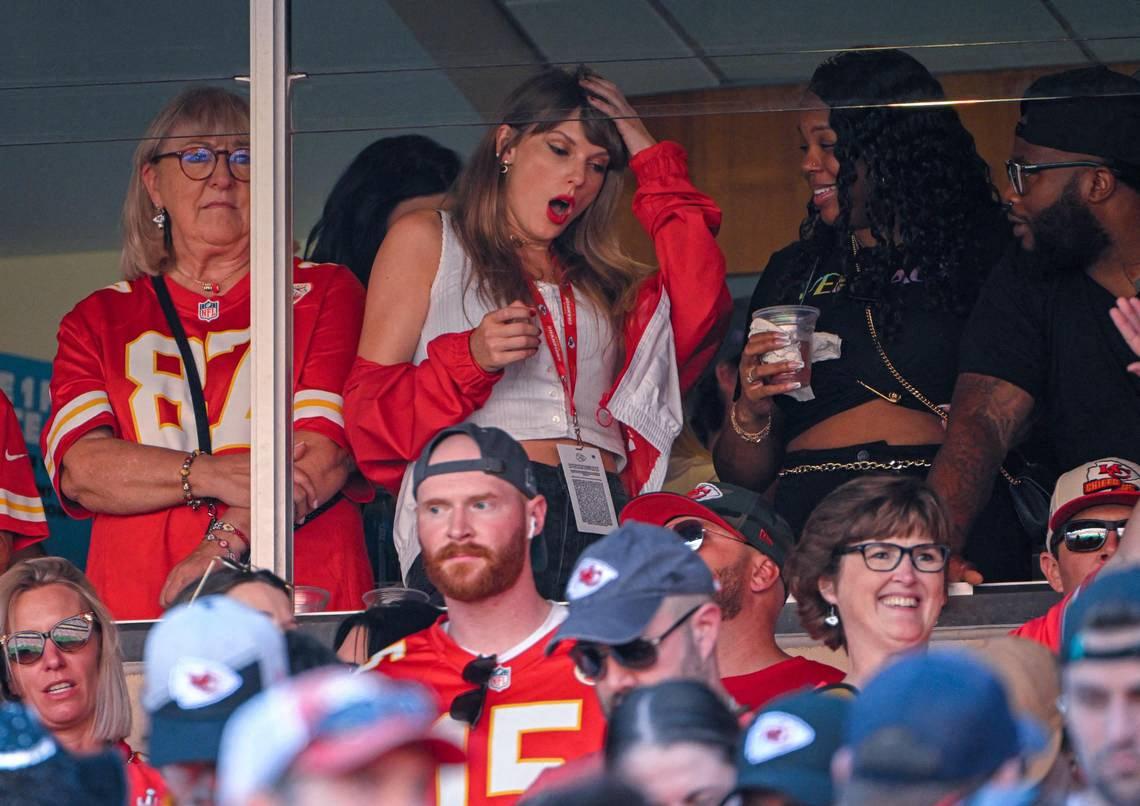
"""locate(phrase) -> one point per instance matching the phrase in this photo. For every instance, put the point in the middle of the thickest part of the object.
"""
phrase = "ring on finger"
(750, 377)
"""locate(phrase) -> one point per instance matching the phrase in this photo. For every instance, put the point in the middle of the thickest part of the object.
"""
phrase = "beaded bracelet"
(187, 492)
(224, 543)
(755, 437)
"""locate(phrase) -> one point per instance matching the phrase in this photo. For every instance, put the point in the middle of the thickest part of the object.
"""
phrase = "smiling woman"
(512, 310)
(869, 573)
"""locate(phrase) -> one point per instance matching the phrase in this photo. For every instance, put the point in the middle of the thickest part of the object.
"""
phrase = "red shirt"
(539, 714)
(145, 786)
(755, 689)
(118, 367)
(21, 510)
(1046, 629)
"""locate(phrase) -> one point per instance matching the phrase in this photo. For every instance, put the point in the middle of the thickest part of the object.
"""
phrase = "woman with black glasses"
(150, 427)
(903, 225)
(869, 574)
(62, 659)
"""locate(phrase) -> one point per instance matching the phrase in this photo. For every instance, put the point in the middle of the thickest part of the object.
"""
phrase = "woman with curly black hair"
(903, 225)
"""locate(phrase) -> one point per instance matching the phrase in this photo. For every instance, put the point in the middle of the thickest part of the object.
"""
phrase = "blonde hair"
(588, 248)
(146, 248)
(112, 704)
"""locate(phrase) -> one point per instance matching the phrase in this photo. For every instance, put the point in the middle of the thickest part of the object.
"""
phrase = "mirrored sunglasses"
(69, 635)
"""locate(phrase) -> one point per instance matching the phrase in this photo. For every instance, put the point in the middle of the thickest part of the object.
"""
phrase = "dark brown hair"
(873, 506)
(587, 249)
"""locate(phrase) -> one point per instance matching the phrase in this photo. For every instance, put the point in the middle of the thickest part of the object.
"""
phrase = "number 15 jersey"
(538, 714)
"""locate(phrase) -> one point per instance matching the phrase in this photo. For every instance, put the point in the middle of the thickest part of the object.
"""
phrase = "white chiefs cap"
(1104, 481)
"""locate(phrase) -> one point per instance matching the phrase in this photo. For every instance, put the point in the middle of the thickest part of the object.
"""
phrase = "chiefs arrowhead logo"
(1110, 474)
(589, 577)
(197, 682)
(705, 492)
(776, 734)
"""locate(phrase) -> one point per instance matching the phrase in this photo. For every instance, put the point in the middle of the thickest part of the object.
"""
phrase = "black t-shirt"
(924, 351)
(1053, 338)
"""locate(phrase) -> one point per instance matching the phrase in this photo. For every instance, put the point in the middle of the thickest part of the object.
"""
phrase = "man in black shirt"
(1040, 341)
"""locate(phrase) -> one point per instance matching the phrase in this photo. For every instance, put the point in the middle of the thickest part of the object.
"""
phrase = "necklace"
(207, 286)
(1134, 281)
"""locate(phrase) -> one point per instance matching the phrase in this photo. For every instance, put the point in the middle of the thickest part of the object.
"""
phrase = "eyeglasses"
(468, 706)
(930, 558)
(640, 653)
(1085, 536)
(693, 532)
(1017, 171)
(198, 163)
(70, 635)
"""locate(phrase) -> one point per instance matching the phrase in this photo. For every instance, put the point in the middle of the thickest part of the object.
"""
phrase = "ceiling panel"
(624, 39)
(770, 41)
(1110, 28)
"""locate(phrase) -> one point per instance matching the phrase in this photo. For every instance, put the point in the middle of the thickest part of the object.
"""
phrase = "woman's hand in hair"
(609, 100)
(505, 336)
(760, 382)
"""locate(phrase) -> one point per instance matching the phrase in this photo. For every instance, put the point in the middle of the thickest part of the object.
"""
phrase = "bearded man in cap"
(1040, 340)
(515, 709)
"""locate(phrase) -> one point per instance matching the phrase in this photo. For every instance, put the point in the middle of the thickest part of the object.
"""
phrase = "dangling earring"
(160, 218)
(504, 166)
(832, 617)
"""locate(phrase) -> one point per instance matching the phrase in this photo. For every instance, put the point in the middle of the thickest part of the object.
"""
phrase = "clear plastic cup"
(393, 592)
(309, 599)
(798, 323)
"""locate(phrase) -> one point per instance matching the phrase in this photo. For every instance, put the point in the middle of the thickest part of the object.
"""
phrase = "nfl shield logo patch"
(208, 310)
(500, 679)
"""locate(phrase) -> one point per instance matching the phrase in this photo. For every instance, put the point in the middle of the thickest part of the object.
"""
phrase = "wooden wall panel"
(744, 151)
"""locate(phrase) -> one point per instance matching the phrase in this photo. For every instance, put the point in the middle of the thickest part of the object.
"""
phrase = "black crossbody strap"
(197, 397)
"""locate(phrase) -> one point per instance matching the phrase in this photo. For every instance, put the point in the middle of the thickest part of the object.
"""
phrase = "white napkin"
(824, 347)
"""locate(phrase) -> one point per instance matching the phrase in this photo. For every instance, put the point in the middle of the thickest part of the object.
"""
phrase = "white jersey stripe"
(22, 507)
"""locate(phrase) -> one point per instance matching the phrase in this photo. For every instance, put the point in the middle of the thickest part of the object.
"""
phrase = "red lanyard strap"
(565, 363)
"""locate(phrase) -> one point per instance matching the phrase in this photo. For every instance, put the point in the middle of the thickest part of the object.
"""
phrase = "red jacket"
(392, 412)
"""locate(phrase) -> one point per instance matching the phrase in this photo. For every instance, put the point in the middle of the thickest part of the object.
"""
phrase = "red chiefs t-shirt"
(757, 688)
(21, 510)
(539, 714)
(119, 367)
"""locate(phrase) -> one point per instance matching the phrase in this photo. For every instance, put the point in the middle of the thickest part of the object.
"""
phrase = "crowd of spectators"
(514, 381)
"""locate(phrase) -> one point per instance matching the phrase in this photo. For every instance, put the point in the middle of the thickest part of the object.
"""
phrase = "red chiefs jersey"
(757, 688)
(539, 714)
(21, 510)
(119, 367)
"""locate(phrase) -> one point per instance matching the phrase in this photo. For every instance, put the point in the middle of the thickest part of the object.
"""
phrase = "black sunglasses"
(468, 706)
(1084, 536)
(69, 635)
(640, 653)
(693, 532)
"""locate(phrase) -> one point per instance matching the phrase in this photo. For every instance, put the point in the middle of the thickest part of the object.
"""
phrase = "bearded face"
(470, 572)
(1066, 237)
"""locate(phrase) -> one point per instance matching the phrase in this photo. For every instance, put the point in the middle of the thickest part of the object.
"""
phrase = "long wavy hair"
(112, 703)
(587, 250)
(929, 198)
(355, 217)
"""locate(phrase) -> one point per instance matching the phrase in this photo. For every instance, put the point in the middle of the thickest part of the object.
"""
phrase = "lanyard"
(565, 363)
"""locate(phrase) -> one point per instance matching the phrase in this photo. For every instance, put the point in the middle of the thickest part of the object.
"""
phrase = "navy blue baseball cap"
(789, 745)
(621, 580)
(1116, 591)
(934, 719)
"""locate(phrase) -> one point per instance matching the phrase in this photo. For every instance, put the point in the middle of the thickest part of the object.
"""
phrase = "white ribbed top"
(529, 402)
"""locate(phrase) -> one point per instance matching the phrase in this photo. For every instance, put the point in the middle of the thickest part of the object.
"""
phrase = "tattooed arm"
(986, 416)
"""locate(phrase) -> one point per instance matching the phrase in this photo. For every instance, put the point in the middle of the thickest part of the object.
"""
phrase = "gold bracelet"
(184, 473)
(755, 437)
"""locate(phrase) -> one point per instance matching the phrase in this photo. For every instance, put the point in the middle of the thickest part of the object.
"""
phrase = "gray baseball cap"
(621, 580)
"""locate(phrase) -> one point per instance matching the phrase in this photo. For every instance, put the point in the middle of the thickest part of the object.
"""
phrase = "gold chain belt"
(830, 467)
